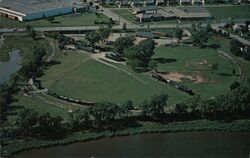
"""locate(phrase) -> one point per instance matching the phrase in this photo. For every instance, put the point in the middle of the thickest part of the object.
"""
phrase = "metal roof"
(33, 6)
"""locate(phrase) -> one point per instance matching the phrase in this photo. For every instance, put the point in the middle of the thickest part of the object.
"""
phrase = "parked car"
(114, 56)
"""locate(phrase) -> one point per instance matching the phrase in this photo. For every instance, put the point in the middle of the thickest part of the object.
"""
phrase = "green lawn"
(126, 14)
(194, 61)
(225, 46)
(236, 12)
(94, 81)
(91, 80)
(80, 19)
(36, 104)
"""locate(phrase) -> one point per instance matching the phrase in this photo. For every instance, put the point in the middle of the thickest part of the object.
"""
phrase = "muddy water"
(173, 145)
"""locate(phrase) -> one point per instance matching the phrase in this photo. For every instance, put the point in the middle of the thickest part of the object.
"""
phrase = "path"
(237, 37)
(67, 72)
(226, 55)
(96, 57)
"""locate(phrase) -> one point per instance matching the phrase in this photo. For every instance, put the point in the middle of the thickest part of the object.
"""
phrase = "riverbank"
(17, 146)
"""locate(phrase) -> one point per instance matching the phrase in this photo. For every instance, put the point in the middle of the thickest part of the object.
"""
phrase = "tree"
(79, 119)
(154, 107)
(97, 7)
(5, 99)
(51, 18)
(195, 105)
(92, 37)
(26, 121)
(152, 64)
(104, 33)
(31, 32)
(31, 67)
(122, 43)
(209, 28)
(181, 109)
(91, 3)
(124, 27)
(126, 107)
(28, 28)
(214, 67)
(200, 35)
(139, 55)
(103, 113)
(233, 72)
(235, 47)
(49, 127)
(246, 54)
(178, 33)
(234, 85)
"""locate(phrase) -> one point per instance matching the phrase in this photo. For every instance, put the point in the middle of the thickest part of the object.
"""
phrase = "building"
(149, 17)
(23, 10)
(145, 9)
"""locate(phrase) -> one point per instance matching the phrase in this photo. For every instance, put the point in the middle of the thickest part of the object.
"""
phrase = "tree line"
(240, 50)
(110, 116)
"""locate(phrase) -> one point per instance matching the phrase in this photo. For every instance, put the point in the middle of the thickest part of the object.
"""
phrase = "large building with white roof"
(23, 10)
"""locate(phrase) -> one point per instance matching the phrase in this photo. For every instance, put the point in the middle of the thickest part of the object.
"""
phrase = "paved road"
(244, 41)
(83, 28)
(119, 27)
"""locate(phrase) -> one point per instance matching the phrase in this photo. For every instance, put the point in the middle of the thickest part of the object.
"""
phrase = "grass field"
(85, 78)
(225, 46)
(95, 81)
(198, 62)
(80, 19)
(235, 12)
(126, 14)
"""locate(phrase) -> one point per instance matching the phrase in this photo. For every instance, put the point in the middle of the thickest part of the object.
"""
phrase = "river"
(173, 145)
(10, 67)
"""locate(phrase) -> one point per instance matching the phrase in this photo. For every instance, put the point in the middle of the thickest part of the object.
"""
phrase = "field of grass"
(198, 62)
(94, 81)
(33, 102)
(81, 77)
(225, 46)
(126, 14)
(235, 12)
(79, 19)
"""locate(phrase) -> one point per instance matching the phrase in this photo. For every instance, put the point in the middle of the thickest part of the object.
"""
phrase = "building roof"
(33, 6)
(145, 34)
(148, 16)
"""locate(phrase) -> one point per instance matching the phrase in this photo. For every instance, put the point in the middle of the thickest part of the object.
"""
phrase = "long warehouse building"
(23, 10)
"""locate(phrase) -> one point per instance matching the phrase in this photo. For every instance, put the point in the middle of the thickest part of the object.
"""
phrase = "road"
(115, 27)
(215, 26)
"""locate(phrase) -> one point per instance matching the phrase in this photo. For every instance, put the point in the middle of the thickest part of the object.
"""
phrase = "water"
(10, 67)
(173, 145)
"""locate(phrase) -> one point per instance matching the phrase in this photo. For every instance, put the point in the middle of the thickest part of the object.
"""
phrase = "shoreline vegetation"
(148, 128)
(33, 130)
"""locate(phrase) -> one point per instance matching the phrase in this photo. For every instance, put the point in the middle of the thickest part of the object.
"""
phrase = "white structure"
(35, 9)
(192, 1)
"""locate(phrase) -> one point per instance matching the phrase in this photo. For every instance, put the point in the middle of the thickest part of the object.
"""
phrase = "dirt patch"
(203, 62)
(179, 77)
(114, 36)
(199, 63)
